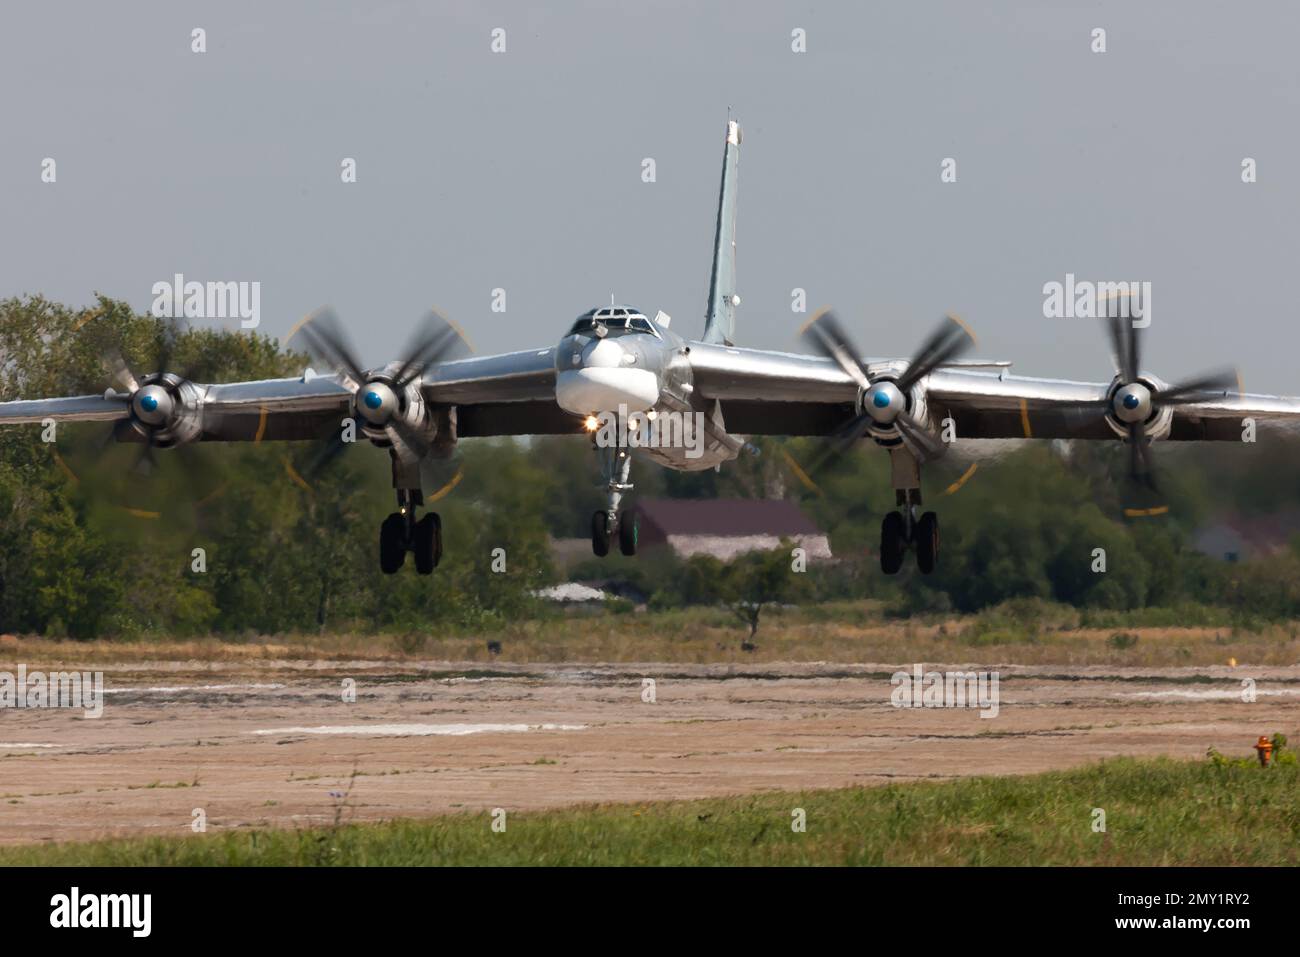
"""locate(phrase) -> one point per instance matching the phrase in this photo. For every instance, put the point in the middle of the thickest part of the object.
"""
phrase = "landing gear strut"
(616, 467)
(402, 532)
(906, 528)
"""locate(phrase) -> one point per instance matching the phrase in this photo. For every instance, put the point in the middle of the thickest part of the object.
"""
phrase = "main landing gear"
(902, 529)
(402, 532)
(908, 527)
(616, 466)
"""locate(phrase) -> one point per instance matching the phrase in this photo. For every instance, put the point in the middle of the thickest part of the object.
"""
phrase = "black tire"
(437, 538)
(392, 550)
(927, 542)
(628, 529)
(892, 544)
(600, 534)
(428, 543)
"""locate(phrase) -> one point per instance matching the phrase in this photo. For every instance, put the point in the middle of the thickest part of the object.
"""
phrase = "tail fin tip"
(720, 319)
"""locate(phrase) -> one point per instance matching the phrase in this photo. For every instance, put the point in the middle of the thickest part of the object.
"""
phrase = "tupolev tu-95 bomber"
(620, 375)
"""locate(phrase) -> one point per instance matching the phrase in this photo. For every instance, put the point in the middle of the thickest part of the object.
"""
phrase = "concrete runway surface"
(273, 744)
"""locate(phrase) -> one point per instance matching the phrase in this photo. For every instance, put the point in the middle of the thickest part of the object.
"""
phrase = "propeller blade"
(119, 372)
(950, 340)
(330, 450)
(838, 443)
(146, 463)
(1141, 468)
(1118, 350)
(1210, 386)
(326, 338)
(920, 441)
(828, 337)
(167, 341)
(434, 339)
(1134, 349)
(403, 436)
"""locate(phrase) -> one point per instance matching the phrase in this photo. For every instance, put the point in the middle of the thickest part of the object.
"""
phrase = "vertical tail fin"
(720, 320)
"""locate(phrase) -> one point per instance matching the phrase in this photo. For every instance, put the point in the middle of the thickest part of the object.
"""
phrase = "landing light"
(591, 423)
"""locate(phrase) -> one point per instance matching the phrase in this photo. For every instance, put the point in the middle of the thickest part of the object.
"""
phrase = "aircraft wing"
(238, 411)
(986, 405)
(778, 393)
(508, 394)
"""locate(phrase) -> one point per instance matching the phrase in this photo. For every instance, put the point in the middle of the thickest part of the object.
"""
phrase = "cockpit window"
(616, 320)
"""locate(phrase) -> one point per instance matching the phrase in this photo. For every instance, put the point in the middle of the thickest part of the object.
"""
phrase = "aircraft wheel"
(892, 544)
(628, 527)
(927, 542)
(428, 543)
(392, 550)
(600, 533)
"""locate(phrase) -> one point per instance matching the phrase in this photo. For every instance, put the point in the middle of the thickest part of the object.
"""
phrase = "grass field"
(1159, 812)
(1026, 632)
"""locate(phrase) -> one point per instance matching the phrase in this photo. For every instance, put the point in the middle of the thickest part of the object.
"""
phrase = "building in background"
(725, 528)
(1240, 538)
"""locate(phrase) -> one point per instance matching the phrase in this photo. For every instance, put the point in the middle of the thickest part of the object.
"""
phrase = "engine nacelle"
(167, 410)
(883, 402)
(379, 401)
(1129, 402)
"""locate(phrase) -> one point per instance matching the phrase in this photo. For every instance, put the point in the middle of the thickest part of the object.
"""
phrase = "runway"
(275, 743)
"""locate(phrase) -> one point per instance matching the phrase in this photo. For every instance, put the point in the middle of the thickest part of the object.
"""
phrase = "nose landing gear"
(616, 466)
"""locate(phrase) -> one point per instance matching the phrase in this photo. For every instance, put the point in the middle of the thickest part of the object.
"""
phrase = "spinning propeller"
(162, 410)
(887, 401)
(383, 401)
(1135, 402)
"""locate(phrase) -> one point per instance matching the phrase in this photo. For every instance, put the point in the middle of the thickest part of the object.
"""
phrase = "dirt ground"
(274, 743)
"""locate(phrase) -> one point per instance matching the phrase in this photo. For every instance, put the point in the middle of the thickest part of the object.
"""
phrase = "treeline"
(96, 542)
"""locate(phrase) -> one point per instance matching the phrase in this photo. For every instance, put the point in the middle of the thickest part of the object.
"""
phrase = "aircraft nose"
(603, 354)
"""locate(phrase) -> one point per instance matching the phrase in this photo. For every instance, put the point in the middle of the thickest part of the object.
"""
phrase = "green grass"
(1158, 812)
(1024, 631)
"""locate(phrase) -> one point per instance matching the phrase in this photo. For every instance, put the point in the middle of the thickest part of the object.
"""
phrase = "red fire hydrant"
(1264, 748)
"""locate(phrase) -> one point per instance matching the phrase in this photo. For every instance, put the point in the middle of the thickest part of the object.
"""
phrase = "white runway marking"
(1214, 695)
(419, 730)
(179, 688)
(4, 744)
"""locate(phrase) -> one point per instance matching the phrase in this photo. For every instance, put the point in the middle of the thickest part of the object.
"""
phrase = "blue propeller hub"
(154, 405)
(377, 402)
(1132, 403)
(884, 402)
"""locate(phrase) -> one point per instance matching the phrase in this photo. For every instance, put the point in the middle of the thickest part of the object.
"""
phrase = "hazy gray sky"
(522, 170)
